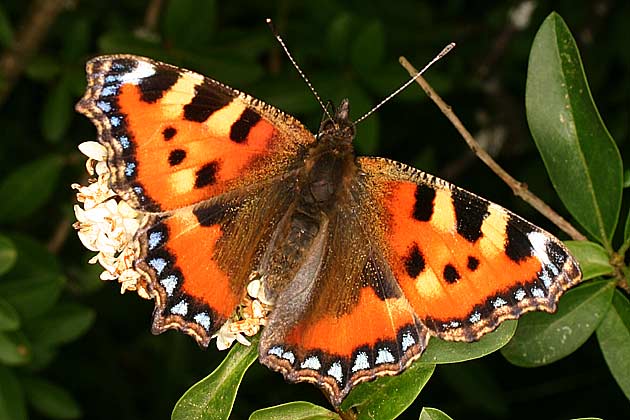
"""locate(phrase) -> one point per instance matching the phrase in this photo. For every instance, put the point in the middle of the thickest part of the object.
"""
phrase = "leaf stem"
(622, 272)
(518, 188)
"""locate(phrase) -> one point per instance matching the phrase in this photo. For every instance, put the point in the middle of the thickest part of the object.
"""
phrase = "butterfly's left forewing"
(176, 138)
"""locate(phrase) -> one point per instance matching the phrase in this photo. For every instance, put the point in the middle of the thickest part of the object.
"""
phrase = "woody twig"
(519, 188)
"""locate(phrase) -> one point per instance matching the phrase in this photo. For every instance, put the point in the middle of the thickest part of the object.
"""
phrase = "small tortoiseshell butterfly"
(359, 260)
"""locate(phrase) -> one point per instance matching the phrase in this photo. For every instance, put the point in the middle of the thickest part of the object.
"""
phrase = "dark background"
(348, 49)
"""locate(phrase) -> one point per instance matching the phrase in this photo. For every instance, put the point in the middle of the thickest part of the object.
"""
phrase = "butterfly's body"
(322, 181)
(362, 258)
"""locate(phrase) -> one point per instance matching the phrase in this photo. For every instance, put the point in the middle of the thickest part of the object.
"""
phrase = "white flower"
(107, 224)
(250, 317)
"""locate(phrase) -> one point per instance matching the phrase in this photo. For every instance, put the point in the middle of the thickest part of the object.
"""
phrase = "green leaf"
(593, 258)
(368, 49)
(339, 34)
(9, 318)
(543, 338)
(63, 324)
(14, 349)
(51, 400)
(572, 139)
(613, 335)
(77, 39)
(212, 398)
(6, 31)
(433, 414)
(33, 259)
(12, 401)
(8, 254)
(43, 68)
(441, 351)
(57, 112)
(32, 296)
(189, 24)
(28, 188)
(388, 396)
(297, 410)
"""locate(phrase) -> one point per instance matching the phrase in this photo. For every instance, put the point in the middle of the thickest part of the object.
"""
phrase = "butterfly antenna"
(299, 70)
(442, 53)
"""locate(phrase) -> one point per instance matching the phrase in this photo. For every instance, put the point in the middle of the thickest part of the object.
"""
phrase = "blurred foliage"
(71, 348)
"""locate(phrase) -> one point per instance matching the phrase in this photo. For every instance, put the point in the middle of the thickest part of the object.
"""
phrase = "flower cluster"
(252, 314)
(107, 224)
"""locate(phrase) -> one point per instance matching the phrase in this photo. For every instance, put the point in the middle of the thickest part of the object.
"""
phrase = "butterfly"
(356, 261)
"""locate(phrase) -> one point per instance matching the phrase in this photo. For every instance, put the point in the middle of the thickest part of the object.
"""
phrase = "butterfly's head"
(339, 129)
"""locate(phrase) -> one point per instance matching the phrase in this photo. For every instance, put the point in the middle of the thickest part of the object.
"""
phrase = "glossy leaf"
(297, 410)
(433, 414)
(8, 254)
(387, 397)
(589, 418)
(613, 335)
(32, 296)
(593, 258)
(63, 324)
(212, 398)
(9, 318)
(441, 351)
(572, 139)
(51, 400)
(26, 189)
(12, 401)
(14, 349)
(543, 338)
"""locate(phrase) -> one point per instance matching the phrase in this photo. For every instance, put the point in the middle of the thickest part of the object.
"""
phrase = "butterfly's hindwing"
(352, 322)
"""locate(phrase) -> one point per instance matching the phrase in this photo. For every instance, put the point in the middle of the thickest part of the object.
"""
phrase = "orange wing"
(176, 138)
(200, 258)
(464, 264)
(204, 165)
(343, 319)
